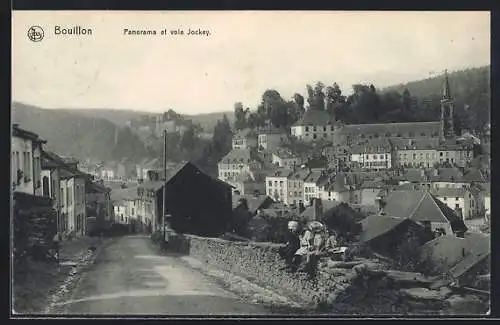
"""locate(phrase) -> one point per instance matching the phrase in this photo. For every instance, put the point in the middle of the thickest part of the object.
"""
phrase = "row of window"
(315, 136)
(398, 135)
(270, 183)
(315, 129)
(377, 157)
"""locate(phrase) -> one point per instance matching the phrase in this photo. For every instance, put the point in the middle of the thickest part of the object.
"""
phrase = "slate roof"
(372, 146)
(314, 177)
(457, 255)
(415, 144)
(376, 226)
(285, 153)
(238, 156)
(392, 128)
(314, 117)
(25, 134)
(124, 194)
(280, 172)
(449, 192)
(299, 174)
(255, 202)
(420, 206)
(308, 213)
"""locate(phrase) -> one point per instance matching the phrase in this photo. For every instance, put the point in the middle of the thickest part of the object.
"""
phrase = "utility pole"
(164, 179)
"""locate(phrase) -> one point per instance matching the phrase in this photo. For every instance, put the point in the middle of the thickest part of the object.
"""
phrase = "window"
(440, 154)
(307, 135)
(331, 128)
(294, 193)
(427, 155)
(398, 135)
(411, 134)
(281, 183)
(307, 129)
(375, 135)
(457, 206)
(388, 134)
(456, 199)
(324, 135)
(422, 134)
(374, 157)
(270, 183)
(444, 199)
(414, 156)
(314, 129)
(276, 183)
(447, 154)
(315, 136)
(381, 156)
(362, 136)
(53, 192)
(45, 186)
(324, 129)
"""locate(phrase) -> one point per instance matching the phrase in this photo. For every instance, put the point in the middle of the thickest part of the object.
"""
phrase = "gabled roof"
(279, 172)
(124, 194)
(449, 192)
(375, 226)
(314, 177)
(421, 206)
(457, 255)
(308, 213)
(238, 156)
(314, 117)
(298, 174)
(255, 202)
(25, 134)
(380, 145)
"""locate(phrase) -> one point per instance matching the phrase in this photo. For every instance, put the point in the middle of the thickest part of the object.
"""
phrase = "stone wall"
(363, 286)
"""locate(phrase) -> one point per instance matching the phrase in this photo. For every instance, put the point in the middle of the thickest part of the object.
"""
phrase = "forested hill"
(69, 133)
(470, 90)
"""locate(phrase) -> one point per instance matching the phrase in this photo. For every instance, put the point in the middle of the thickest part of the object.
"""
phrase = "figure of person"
(56, 245)
(292, 245)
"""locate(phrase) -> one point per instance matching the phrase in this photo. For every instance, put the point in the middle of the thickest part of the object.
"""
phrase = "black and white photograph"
(286, 164)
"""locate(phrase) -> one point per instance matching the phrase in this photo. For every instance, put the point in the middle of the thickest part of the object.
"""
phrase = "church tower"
(447, 126)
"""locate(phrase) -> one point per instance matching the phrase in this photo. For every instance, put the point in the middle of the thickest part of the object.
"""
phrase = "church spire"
(446, 87)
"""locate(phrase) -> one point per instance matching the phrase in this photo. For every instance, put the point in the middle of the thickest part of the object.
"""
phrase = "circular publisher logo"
(35, 33)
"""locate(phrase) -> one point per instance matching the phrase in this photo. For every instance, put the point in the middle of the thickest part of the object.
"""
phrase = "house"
(245, 139)
(26, 149)
(463, 258)
(295, 185)
(107, 173)
(464, 200)
(270, 138)
(423, 208)
(236, 164)
(198, 203)
(312, 189)
(123, 201)
(314, 125)
(66, 185)
(336, 188)
(373, 155)
(454, 177)
(486, 194)
(369, 191)
(98, 202)
(282, 157)
(384, 234)
(146, 166)
(337, 156)
(148, 205)
(317, 209)
(277, 184)
(455, 153)
(415, 153)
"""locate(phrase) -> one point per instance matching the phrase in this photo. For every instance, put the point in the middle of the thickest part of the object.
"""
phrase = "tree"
(315, 96)
(188, 139)
(240, 115)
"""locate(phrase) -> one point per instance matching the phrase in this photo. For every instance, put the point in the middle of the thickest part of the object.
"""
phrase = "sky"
(245, 54)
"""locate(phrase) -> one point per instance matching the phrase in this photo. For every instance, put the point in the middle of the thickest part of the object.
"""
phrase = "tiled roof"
(420, 205)
(372, 146)
(455, 145)
(457, 255)
(314, 117)
(393, 128)
(375, 226)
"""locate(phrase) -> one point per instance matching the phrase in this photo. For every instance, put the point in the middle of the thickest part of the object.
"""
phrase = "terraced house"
(372, 155)
(270, 138)
(245, 139)
(26, 168)
(237, 165)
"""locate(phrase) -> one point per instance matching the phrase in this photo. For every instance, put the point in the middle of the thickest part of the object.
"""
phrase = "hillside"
(84, 137)
(470, 90)
(120, 117)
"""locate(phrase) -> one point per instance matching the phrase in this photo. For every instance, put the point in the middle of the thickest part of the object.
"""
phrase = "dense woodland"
(70, 133)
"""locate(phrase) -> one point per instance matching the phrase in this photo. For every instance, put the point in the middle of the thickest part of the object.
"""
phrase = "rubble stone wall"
(365, 287)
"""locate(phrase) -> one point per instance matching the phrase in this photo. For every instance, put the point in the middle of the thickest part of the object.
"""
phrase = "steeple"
(447, 125)
(446, 87)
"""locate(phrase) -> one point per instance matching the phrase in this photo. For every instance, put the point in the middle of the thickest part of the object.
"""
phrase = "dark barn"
(198, 203)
